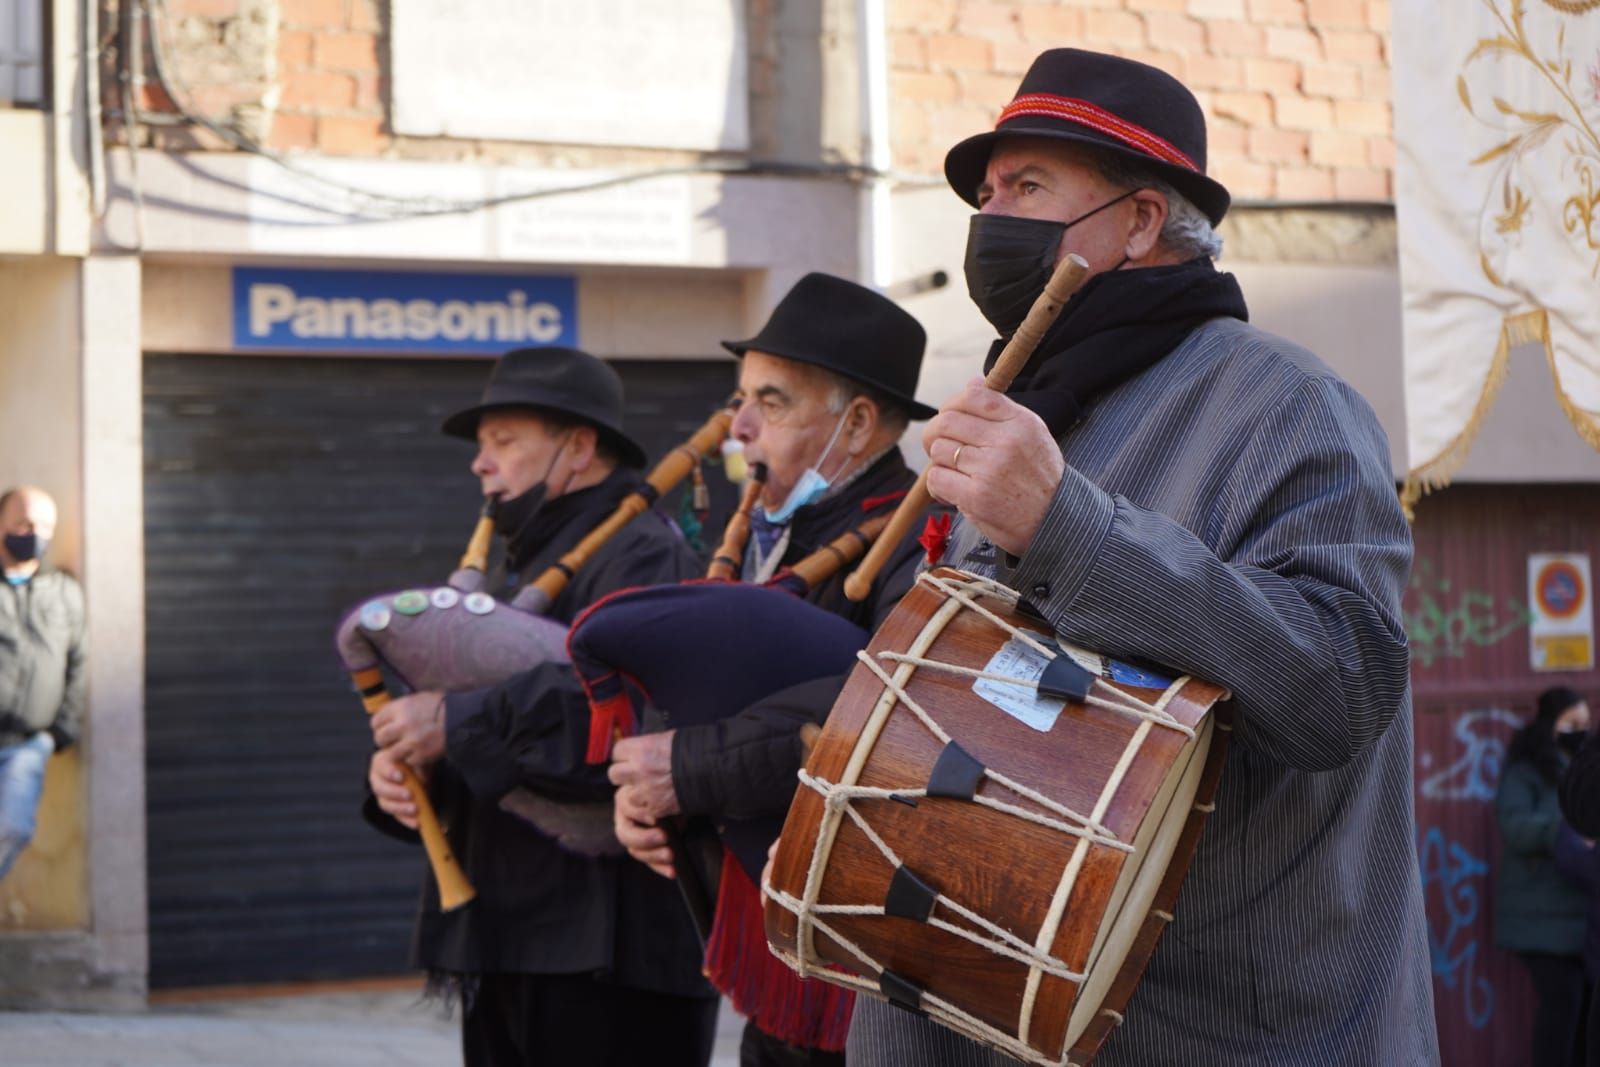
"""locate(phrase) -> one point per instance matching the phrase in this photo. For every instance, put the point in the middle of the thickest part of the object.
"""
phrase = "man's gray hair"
(1187, 231)
(842, 390)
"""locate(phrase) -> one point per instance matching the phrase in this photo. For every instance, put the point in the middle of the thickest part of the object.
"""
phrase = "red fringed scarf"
(795, 1010)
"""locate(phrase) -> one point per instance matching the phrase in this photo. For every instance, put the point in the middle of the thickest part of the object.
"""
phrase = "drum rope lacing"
(1086, 827)
(837, 800)
(1126, 703)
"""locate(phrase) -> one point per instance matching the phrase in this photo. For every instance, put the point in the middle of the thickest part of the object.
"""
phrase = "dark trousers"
(757, 1048)
(1561, 993)
(559, 1020)
(1593, 1047)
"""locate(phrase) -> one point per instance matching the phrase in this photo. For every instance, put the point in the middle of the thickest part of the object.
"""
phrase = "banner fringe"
(1528, 327)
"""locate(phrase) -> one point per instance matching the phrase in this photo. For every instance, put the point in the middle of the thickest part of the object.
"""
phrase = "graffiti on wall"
(1452, 883)
(1459, 760)
(1475, 773)
(1445, 621)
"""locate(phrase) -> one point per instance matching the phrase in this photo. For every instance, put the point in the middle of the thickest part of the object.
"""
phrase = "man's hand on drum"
(645, 764)
(388, 786)
(994, 461)
(639, 834)
(411, 728)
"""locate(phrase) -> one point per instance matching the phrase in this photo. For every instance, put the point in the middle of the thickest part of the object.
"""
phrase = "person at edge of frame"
(43, 673)
(576, 958)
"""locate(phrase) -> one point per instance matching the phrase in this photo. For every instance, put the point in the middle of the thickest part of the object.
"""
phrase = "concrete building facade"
(678, 172)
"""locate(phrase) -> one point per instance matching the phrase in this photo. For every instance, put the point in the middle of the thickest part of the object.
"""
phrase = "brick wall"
(329, 75)
(1296, 92)
(311, 76)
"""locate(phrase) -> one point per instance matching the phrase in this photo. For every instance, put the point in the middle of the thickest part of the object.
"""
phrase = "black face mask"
(1569, 741)
(514, 515)
(26, 547)
(1010, 260)
(517, 512)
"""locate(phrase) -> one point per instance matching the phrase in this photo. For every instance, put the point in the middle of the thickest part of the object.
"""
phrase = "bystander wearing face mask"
(25, 548)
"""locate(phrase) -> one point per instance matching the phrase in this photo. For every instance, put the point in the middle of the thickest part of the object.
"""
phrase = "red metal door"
(1467, 616)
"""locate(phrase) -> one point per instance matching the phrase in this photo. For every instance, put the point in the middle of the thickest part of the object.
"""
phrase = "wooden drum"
(992, 828)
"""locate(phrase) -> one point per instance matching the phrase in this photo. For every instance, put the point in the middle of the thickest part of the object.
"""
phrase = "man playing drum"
(827, 391)
(563, 958)
(1166, 483)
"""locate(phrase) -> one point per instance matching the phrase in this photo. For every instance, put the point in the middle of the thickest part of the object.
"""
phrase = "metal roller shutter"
(279, 492)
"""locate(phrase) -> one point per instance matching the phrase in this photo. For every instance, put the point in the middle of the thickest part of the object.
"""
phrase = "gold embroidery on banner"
(1578, 213)
(1527, 129)
(1530, 129)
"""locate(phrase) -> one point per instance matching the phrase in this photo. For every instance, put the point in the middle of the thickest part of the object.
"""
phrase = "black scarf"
(1119, 324)
(539, 529)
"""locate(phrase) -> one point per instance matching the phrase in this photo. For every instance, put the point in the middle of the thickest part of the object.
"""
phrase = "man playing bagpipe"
(565, 957)
(827, 391)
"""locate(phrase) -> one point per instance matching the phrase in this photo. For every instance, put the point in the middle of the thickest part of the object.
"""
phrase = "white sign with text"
(601, 72)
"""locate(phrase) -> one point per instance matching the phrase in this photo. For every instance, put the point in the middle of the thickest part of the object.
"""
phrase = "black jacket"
(541, 909)
(745, 766)
(1580, 788)
(42, 670)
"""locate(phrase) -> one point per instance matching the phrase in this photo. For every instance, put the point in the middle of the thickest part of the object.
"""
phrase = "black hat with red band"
(1118, 105)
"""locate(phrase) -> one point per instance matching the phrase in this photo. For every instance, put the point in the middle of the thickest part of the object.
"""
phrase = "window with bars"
(21, 53)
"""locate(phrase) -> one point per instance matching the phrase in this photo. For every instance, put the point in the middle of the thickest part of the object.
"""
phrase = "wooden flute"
(726, 560)
(1071, 273)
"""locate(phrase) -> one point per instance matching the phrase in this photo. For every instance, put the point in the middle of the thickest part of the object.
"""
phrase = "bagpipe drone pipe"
(457, 637)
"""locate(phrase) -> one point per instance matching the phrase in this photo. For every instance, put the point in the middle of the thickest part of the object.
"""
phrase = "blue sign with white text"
(395, 311)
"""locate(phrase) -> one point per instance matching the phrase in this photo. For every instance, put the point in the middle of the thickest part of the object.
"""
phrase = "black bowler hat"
(563, 380)
(850, 330)
(1130, 109)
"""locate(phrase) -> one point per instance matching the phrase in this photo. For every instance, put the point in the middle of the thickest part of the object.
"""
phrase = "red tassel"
(609, 719)
(798, 1011)
(935, 537)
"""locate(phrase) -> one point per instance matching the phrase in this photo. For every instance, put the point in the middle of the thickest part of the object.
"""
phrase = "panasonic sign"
(393, 311)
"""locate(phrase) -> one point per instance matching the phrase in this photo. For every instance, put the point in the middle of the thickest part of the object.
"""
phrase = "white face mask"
(809, 486)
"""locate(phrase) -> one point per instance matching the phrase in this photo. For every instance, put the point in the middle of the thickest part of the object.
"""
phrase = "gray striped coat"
(1231, 512)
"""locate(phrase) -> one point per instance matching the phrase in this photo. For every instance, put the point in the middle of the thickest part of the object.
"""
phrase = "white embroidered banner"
(1497, 136)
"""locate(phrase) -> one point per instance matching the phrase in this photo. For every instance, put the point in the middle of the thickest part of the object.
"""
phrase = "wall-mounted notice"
(600, 72)
(1561, 598)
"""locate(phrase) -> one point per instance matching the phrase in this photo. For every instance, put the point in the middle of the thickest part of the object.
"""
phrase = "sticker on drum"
(375, 616)
(1026, 664)
(478, 603)
(444, 597)
(411, 602)
(1128, 674)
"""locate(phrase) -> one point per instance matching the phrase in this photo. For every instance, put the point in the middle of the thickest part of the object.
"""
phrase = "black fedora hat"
(850, 330)
(563, 380)
(1118, 105)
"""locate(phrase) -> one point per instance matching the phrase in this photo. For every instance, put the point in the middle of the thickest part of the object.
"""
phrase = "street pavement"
(383, 1028)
